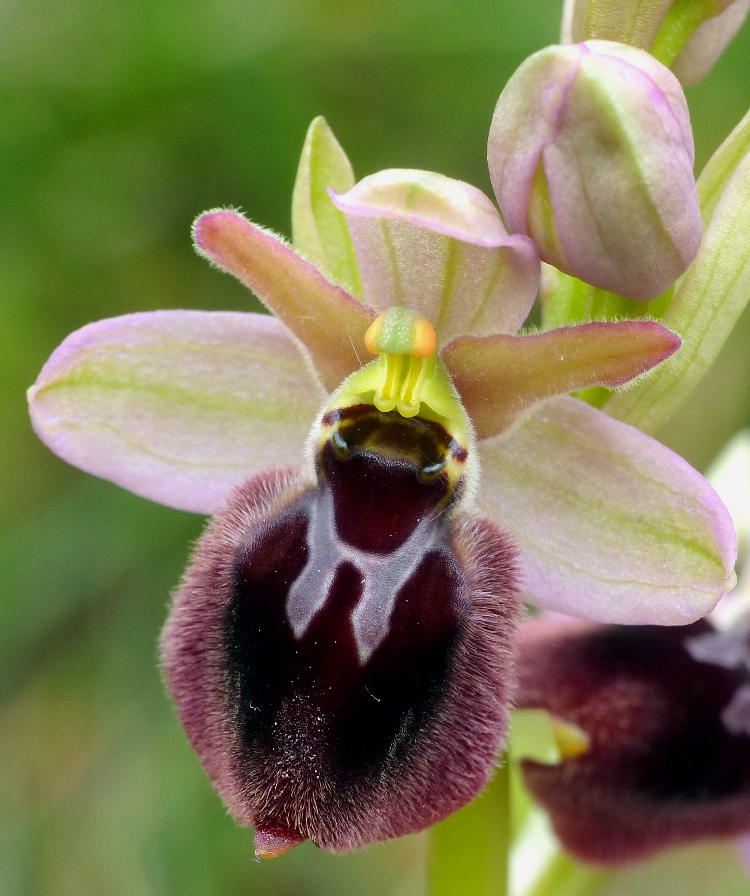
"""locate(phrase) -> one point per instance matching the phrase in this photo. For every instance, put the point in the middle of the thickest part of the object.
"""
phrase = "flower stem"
(468, 852)
(566, 877)
(679, 24)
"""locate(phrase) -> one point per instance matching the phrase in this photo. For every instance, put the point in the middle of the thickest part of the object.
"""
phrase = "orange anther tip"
(425, 338)
(401, 331)
(372, 335)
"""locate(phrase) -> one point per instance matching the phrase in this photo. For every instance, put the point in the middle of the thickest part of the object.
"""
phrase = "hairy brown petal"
(364, 703)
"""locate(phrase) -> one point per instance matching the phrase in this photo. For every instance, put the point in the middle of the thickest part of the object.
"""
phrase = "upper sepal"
(439, 245)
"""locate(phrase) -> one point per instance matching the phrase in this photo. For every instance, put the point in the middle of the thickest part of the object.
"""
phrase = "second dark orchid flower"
(667, 715)
(664, 713)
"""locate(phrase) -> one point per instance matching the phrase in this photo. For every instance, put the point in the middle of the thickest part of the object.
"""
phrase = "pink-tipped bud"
(591, 154)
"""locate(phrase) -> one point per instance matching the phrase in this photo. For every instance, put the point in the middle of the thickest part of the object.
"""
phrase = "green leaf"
(568, 300)
(319, 229)
(468, 851)
(532, 736)
(721, 166)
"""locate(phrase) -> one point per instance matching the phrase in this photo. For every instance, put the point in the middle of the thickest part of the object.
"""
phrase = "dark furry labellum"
(669, 757)
(341, 651)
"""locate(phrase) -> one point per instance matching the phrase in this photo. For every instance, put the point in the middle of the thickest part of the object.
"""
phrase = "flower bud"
(709, 40)
(591, 154)
(688, 37)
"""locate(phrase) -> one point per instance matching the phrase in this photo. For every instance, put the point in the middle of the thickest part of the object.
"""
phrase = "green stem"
(569, 300)
(679, 24)
(468, 852)
(541, 867)
(566, 877)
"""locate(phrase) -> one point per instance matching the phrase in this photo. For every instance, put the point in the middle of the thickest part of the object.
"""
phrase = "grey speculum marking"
(382, 491)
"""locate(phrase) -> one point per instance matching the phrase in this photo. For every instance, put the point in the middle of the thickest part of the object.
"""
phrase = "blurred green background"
(121, 122)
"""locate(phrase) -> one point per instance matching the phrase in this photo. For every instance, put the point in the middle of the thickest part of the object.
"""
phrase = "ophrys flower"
(341, 647)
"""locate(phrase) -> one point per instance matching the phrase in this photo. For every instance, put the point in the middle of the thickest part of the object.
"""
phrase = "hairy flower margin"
(212, 412)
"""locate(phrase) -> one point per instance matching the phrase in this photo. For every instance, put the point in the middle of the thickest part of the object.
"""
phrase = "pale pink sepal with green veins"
(591, 153)
(499, 377)
(710, 297)
(177, 406)
(439, 245)
(325, 318)
(610, 524)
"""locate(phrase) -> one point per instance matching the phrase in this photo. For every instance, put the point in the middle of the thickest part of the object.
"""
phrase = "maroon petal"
(340, 685)
(663, 767)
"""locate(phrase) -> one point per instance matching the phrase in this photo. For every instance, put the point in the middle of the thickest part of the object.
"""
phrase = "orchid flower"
(665, 713)
(669, 734)
(341, 647)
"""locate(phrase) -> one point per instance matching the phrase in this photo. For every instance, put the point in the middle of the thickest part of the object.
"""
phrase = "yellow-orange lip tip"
(270, 844)
(571, 739)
